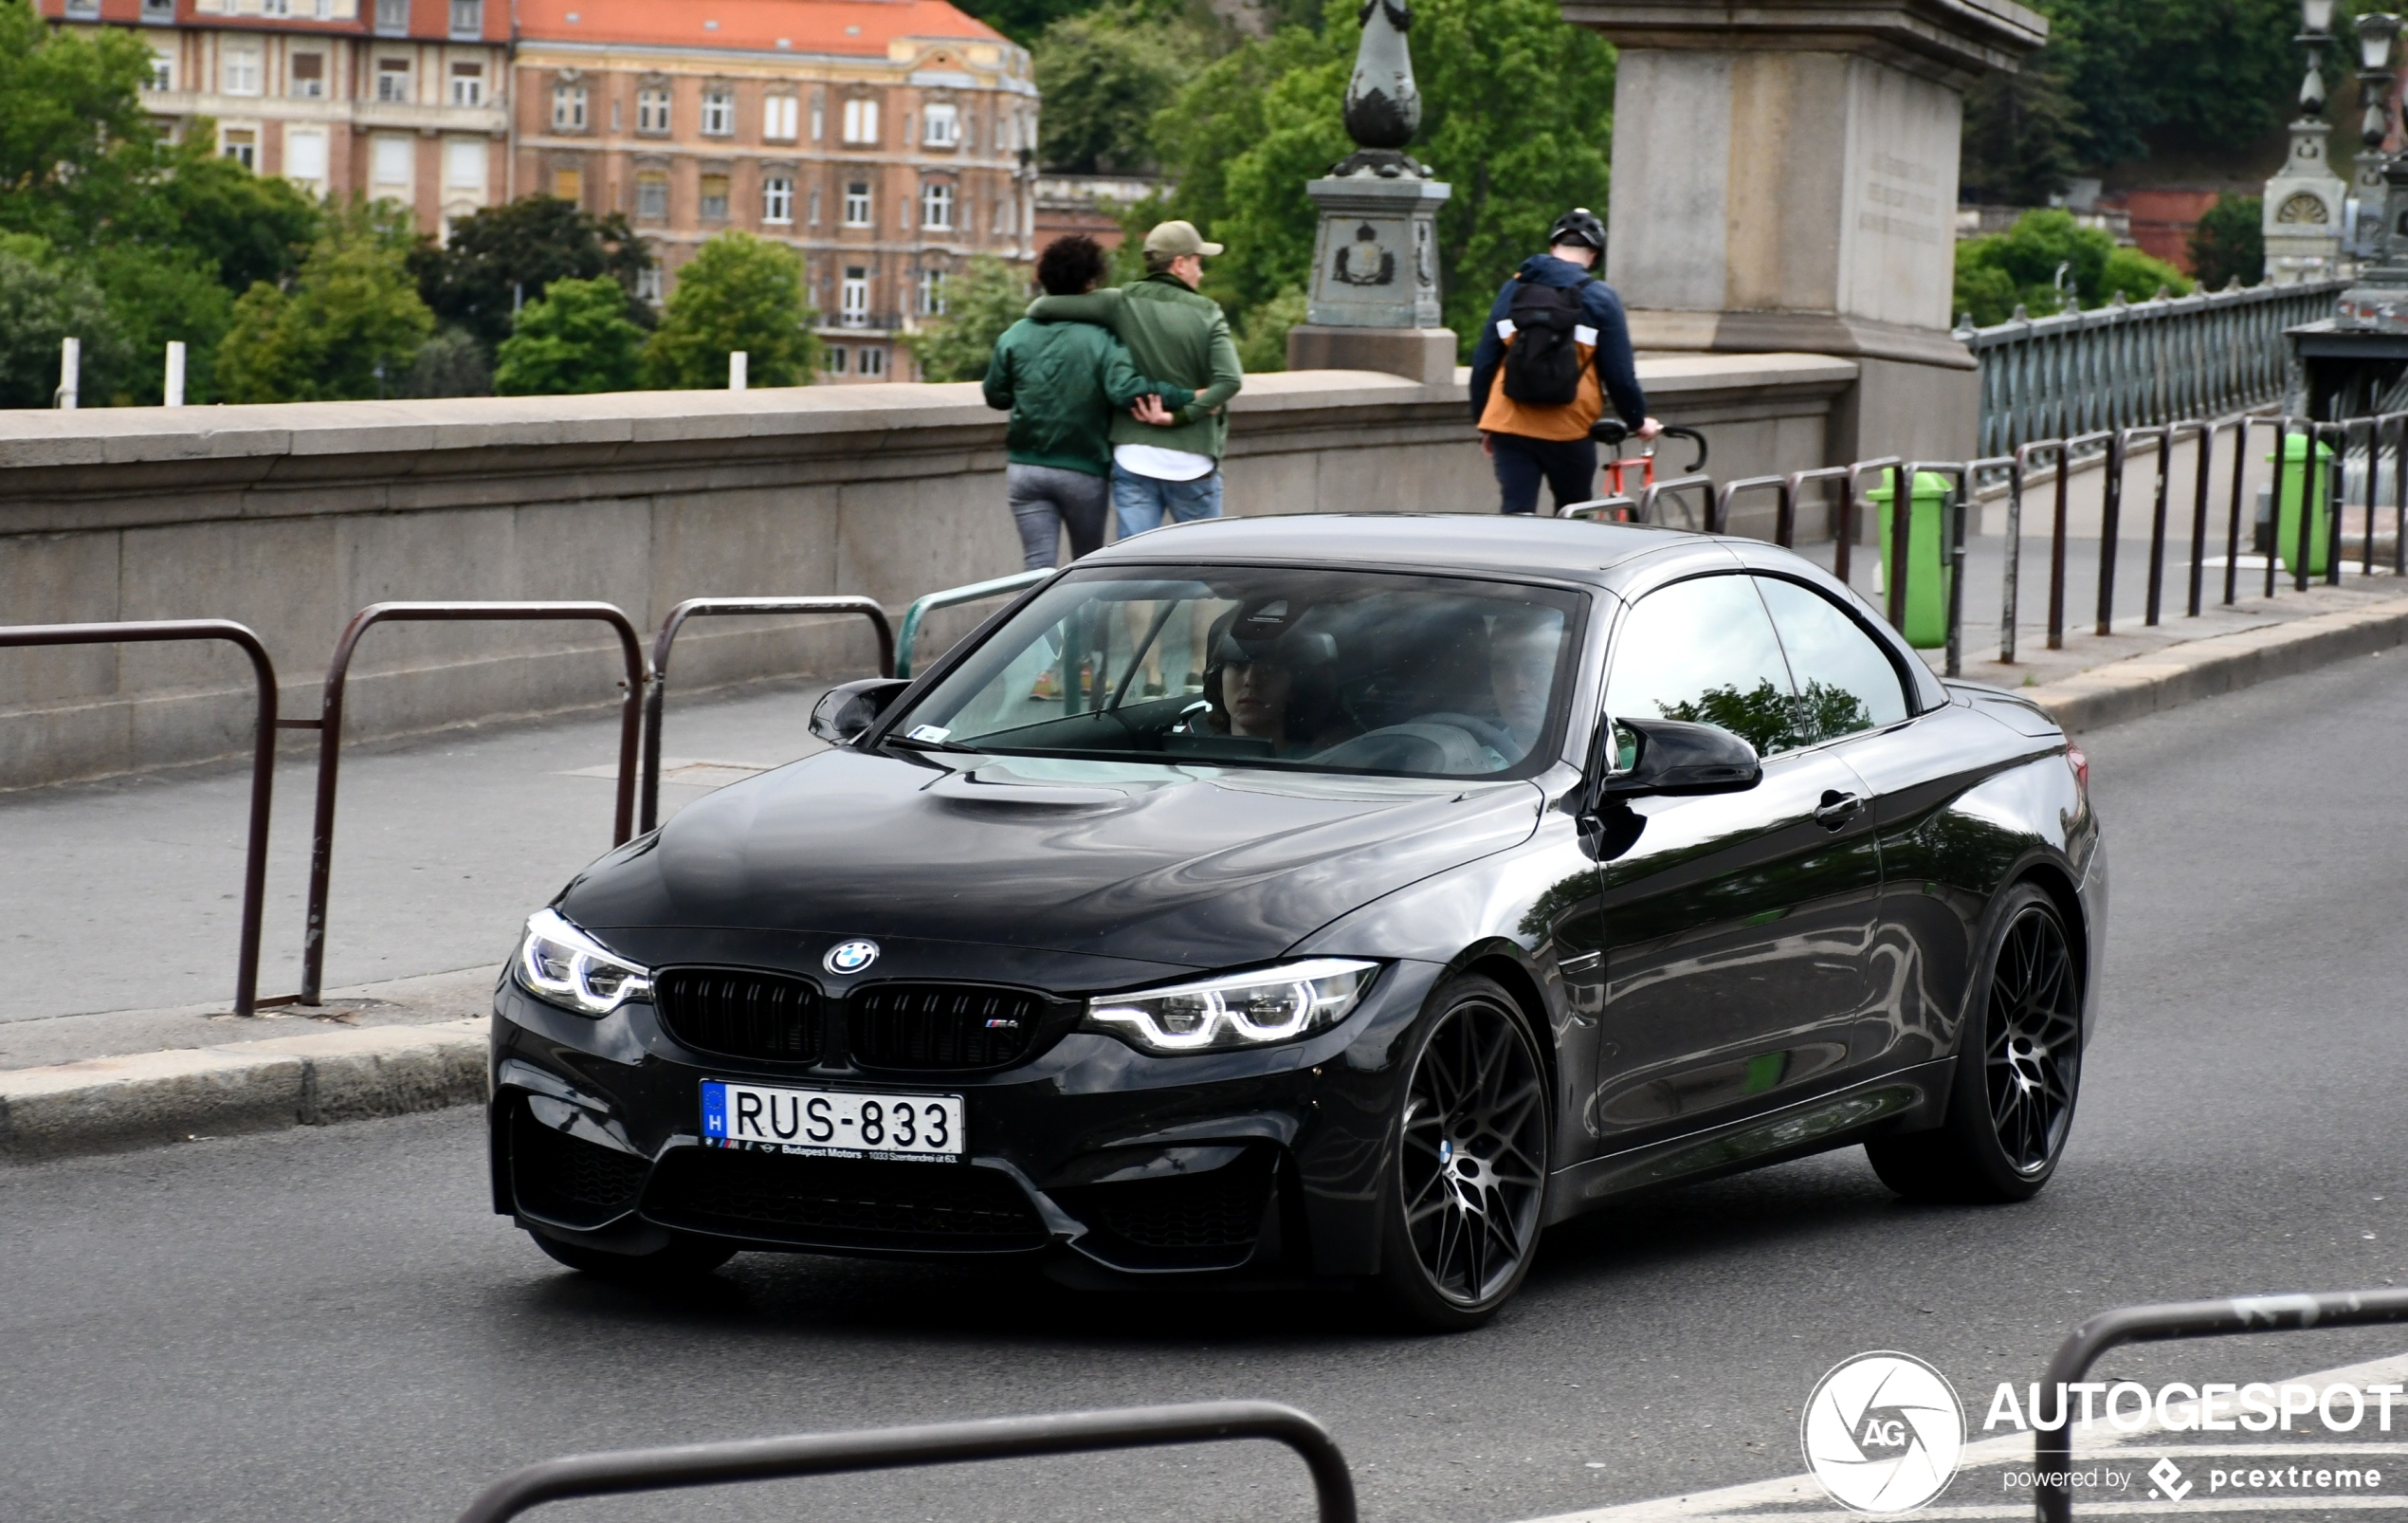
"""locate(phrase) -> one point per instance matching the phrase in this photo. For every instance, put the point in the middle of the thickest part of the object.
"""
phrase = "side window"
(1705, 651)
(1845, 682)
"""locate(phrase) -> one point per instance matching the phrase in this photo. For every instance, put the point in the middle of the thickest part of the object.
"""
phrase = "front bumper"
(1261, 1161)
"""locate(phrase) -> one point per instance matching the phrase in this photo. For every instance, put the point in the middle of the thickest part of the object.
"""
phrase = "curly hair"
(1069, 265)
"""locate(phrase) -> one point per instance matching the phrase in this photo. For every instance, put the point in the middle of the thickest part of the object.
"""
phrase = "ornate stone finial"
(1383, 105)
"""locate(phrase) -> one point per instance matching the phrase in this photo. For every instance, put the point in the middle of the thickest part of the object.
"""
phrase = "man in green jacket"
(1180, 334)
(1065, 385)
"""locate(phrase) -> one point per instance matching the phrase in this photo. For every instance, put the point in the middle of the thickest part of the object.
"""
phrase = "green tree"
(502, 257)
(2229, 242)
(349, 328)
(738, 292)
(44, 298)
(1263, 347)
(452, 363)
(2022, 134)
(250, 227)
(75, 143)
(1107, 74)
(987, 298)
(576, 338)
(1516, 115)
(156, 295)
(1996, 273)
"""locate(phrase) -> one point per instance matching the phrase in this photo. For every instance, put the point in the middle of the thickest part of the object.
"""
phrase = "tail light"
(2081, 765)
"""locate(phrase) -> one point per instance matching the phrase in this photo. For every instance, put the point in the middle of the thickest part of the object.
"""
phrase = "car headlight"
(1255, 1009)
(561, 964)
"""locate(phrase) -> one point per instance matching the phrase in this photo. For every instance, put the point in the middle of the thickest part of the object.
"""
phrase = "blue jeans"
(1144, 503)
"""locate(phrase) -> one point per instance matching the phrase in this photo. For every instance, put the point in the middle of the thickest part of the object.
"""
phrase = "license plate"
(831, 1123)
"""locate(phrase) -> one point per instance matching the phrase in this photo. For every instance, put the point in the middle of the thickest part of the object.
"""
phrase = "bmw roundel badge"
(849, 957)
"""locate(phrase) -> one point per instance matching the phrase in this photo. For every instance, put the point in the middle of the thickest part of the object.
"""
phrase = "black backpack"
(1542, 366)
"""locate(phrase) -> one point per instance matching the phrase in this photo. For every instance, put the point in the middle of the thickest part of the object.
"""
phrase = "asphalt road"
(327, 1323)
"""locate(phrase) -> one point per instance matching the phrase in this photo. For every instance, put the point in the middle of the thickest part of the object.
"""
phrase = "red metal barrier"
(263, 754)
(329, 725)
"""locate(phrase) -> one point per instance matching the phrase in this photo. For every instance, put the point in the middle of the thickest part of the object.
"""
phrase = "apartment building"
(399, 99)
(887, 141)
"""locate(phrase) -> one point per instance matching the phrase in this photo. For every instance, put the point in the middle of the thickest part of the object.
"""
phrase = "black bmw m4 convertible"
(1317, 896)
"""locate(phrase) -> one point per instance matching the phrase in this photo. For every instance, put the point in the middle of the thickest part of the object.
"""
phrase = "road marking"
(1767, 1499)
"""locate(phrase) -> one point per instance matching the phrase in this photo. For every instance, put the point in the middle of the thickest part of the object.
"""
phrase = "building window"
(467, 18)
(652, 196)
(84, 9)
(162, 72)
(158, 9)
(854, 298)
(777, 201)
(569, 184)
(714, 207)
(652, 110)
(568, 108)
(392, 18)
(818, 116)
(241, 144)
(238, 72)
(719, 114)
(932, 293)
(857, 204)
(393, 79)
(271, 8)
(309, 76)
(389, 162)
(468, 84)
(778, 118)
(936, 207)
(464, 165)
(873, 361)
(814, 206)
(304, 156)
(648, 283)
(861, 123)
(832, 359)
(944, 126)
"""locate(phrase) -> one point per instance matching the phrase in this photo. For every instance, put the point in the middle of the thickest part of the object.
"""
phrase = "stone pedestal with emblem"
(1374, 303)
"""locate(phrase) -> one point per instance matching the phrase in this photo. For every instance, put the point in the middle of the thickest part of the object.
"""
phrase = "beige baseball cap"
(1176, 238)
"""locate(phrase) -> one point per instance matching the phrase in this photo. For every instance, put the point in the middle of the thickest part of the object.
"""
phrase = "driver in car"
(1521, 656)
(1274, 685)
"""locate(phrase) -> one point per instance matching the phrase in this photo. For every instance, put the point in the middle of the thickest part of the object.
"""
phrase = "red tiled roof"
(768, 25)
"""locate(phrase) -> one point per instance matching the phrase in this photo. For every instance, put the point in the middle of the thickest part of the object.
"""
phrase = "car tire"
(684, 1258)
(1467, 1180)
(2018, 1071)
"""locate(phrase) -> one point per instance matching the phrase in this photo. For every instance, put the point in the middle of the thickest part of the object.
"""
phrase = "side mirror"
(1670, 756)
(845, 712)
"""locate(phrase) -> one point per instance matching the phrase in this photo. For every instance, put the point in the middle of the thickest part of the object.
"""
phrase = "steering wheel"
(1417, 746)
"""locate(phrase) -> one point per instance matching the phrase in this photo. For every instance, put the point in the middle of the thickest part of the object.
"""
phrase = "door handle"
(1838, 809)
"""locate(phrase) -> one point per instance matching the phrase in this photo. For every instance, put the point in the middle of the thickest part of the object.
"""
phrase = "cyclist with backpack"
(1555, 350)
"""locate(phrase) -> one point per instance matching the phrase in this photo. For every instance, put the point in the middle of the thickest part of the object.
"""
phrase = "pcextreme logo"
(1883, 1432)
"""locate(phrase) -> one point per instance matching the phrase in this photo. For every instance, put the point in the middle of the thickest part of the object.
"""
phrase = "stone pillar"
(1785, 180)
(1374, 303)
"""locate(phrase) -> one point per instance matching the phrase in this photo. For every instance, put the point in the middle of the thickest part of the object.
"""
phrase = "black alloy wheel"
(1472, 1162)
(2018, 1071)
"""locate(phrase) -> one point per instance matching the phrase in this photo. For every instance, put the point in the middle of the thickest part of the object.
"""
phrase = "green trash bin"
(1927, 574)
(2295, 473)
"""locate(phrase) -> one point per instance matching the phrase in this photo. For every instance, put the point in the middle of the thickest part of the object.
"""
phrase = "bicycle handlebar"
(1615, 432)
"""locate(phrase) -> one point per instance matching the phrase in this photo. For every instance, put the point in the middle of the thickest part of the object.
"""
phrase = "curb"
(2221, 663)
(103, 1105)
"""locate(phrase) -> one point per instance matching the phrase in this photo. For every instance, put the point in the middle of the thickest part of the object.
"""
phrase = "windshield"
(1326, 671)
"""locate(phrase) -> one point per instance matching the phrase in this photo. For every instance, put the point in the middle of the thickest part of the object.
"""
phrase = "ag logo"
(1883, 1432)
(849, 957)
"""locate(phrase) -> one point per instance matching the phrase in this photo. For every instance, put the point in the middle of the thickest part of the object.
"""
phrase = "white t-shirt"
(1160, 464)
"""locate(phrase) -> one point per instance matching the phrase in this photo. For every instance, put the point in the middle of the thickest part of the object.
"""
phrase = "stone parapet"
(289, 518)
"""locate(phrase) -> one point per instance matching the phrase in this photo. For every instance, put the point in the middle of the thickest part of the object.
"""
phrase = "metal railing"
(263, 753)
(714, 1464)
(953, 597)
(329, 725)
(2053, 1448)
(656, 694)
(2138, 364)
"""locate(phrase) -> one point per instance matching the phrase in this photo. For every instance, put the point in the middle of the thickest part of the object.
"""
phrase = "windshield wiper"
(914, 742)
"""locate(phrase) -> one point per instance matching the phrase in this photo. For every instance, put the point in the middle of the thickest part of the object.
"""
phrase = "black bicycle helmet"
(1577, 226)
